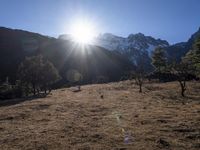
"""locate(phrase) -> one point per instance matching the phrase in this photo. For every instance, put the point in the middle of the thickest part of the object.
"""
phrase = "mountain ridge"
(115, 42)
(16, 44)
(178, 50)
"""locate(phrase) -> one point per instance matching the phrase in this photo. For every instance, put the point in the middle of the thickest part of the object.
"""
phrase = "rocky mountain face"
(138, 46)
(132, 42)
(135, 47)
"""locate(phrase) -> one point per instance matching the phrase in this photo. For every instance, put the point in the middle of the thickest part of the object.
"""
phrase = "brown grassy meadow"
(105, 116)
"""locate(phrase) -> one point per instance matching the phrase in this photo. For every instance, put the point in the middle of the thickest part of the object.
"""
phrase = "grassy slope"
(101, 115)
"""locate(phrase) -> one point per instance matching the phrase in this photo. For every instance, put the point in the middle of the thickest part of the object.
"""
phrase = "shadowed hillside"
(177, 51)
(15, 45)
(91, 62)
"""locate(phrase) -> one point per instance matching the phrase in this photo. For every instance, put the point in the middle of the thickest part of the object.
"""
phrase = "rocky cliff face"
(138, 46)
(132, 42)
(135, 47)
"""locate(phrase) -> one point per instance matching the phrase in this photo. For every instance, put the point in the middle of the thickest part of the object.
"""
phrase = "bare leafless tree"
(139, 74)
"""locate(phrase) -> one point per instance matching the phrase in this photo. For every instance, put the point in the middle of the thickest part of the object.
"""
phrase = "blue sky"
(172, 20)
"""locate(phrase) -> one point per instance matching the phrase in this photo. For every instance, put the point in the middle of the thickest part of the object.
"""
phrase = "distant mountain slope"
(176, 51)
(96, 61)
(14, 46)
(138, 46)
(133, 41)
(134, 47)
(90, 61)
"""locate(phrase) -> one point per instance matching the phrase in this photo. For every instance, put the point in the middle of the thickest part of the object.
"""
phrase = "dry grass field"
(105, 116)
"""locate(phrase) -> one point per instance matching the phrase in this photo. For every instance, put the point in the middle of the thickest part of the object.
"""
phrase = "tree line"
(188, 68)
(35, 75)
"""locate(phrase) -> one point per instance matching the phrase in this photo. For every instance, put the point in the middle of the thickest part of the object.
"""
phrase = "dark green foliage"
(179, 50)
(37, 72)
(176, 52)
(8, 91)
(49, 75)
(193, 57)
(159, 60)
(164, 77)
(15, 45)
(181, 70)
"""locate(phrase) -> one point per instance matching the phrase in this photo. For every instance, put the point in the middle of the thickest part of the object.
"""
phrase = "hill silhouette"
(91, 62)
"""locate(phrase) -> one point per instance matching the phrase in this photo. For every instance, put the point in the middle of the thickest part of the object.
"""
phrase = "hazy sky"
(172, 20)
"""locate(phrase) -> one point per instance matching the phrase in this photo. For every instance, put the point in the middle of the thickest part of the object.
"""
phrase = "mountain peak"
(134, 42)
(109, 36)
(139, 34)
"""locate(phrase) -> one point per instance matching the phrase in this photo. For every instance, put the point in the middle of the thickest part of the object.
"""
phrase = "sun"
(83, 32)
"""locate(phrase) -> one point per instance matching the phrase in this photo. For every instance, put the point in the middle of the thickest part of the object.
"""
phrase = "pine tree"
(193, 57)
(159, 60)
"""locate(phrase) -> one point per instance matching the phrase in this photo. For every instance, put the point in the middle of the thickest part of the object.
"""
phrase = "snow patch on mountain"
(132, 42)
(135, 47)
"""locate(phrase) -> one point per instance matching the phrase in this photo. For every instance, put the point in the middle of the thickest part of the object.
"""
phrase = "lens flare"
(83, 32)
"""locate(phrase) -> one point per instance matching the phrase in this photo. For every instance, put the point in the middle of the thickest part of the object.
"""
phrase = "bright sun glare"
(83, 32)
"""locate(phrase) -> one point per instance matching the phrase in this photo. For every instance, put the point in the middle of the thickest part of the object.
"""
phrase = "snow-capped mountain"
(135, 47)
(132, 42)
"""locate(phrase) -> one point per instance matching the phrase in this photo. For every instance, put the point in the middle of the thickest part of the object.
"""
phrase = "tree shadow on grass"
(10, 102)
